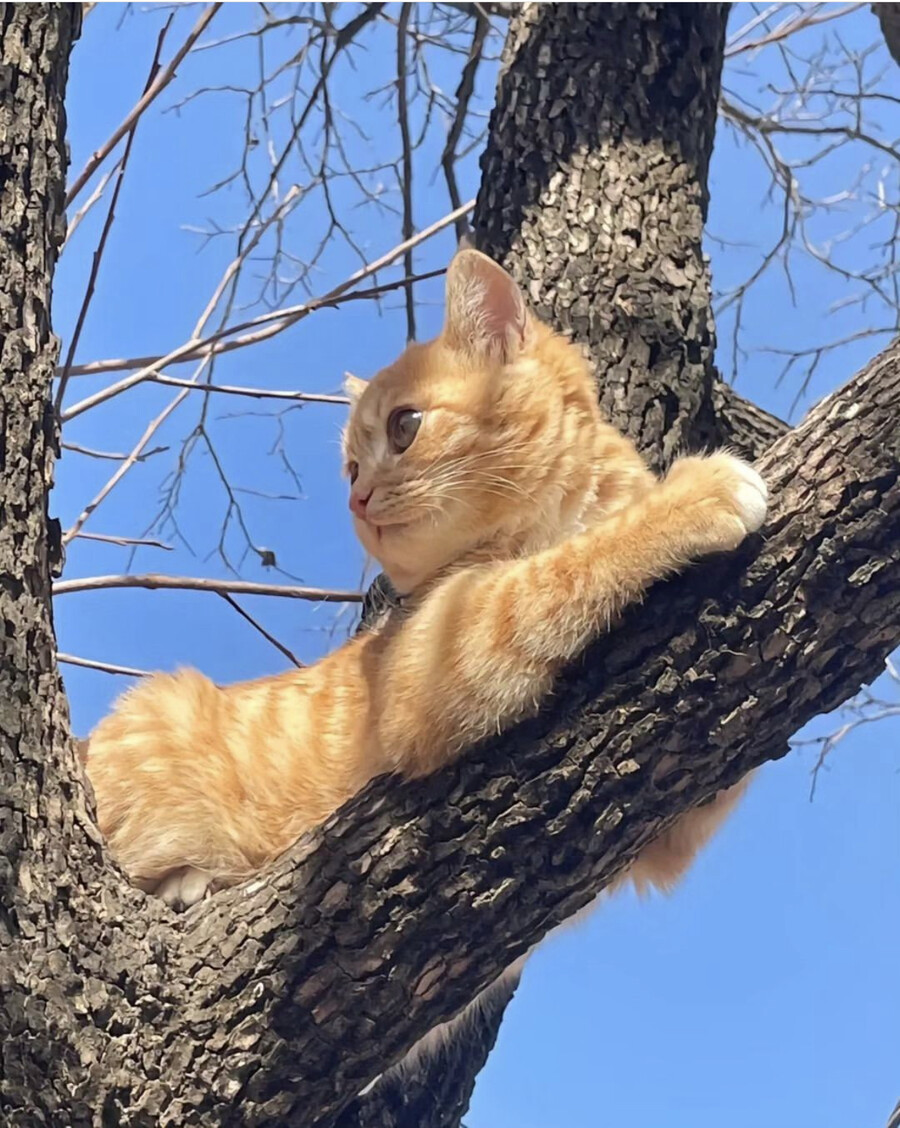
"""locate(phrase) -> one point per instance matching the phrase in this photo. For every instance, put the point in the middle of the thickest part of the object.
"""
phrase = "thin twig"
(463, 97)
(105, 667)
(110, 456)
(253, 393)
(162, 80)
(262, 630)
(125, 542)
(107, 226)
(91, 200)
(406, 174)
(154, 581)
(194, 348)
(827, 744)
(289, 314)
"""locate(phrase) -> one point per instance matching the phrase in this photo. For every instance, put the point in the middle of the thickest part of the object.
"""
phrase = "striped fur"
(518, 524)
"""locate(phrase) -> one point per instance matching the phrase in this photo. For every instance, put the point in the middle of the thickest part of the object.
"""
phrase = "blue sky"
(764, 990)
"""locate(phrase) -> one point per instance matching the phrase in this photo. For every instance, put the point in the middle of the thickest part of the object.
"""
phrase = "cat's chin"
(373, 535)
(405, 553)
(384, 542)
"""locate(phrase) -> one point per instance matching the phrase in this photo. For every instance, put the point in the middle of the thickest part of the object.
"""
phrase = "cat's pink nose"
(358, 504)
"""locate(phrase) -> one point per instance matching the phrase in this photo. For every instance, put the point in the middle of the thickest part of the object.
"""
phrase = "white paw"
(184, 887)
(751, 495)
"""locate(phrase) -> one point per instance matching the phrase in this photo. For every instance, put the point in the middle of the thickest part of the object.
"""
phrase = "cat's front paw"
(722, 498)
(750, 493)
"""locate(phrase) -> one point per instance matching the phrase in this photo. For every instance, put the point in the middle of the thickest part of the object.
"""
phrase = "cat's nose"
(358, 503)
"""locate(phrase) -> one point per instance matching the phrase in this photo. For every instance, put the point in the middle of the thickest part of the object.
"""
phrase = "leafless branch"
(159, 84)
(464, 94)
(864, 709)
(76, 448)
(499, 9)
(232, 602)
(406, 179)
(104, 667)
(253, 393)
(96, 195)
(155, 581)
(107, 226)
(125, 542)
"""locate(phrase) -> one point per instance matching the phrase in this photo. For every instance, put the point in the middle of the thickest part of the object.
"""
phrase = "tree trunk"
(594, 196)
(39, 803)
(277, 1002)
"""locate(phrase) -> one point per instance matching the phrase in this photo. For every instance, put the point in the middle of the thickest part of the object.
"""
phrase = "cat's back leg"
(183, 887)
(162, 776)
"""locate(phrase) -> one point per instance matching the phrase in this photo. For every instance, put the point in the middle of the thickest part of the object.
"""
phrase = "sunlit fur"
(517, 525)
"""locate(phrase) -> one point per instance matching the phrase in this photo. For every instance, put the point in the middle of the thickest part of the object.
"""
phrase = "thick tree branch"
(689, 695)
(414, 896)
(437, 1092)
(277, 1002)
(157, 581)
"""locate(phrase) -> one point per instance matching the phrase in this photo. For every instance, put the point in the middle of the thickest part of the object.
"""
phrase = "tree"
(113, 1008)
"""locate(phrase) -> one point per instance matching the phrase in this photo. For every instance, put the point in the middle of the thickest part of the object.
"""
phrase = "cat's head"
(478, 442)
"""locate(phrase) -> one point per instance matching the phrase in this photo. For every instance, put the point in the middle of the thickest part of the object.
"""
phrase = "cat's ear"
(486, 313)
(354, 386)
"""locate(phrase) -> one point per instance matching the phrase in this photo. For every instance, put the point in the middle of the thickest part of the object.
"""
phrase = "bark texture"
(594, 196)
(274, 1004)
(277, 1002)
(437, 1092)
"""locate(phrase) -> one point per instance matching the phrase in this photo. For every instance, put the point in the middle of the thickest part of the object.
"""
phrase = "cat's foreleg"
(483, 649)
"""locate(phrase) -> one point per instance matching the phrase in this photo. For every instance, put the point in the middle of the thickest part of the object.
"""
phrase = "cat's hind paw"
(184, 887)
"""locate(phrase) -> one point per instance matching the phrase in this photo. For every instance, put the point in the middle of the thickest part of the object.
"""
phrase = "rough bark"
(278, 1001)
(594, 195)
(437, 1092)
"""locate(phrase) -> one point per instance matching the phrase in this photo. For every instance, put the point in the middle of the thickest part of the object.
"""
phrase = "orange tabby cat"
(517, 524)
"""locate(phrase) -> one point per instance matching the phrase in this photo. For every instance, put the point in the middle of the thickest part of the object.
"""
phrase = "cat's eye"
(353, 471)
(402, 427)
